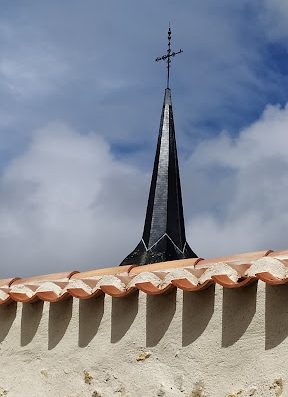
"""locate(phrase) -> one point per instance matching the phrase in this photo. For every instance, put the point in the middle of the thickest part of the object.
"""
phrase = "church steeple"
(164, 231)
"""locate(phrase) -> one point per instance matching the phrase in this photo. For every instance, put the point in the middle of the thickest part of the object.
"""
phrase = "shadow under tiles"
(124, 311)
(90, 315)
(276, 315)
(238, 310)
(30, 320)
(198, 308)
(7, 317)
(160, 310)
(60, 314)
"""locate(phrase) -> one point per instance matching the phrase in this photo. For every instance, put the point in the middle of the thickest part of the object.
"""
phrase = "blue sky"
(81, 97)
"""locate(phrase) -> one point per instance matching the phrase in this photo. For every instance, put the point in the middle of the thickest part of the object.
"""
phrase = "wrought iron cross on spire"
(168, 56)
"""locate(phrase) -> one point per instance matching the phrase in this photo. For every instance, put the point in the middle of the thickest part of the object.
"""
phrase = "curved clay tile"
(112, 280)
(116, 292)
(154, 267)
(282, 255)
(23, 293)
(98, 273)
(50, 287)
(50, 296)
(276, 267)
(243, 258)
(116, 286)
(219, 269)
(186, 285)
(189, 275)
(151, 289)
(84, 288)
(4, 290)
(152, 283)
(45, 277)
(226, 281)
(147, 277)
(268, 278)
(52, 291)
(186, 279)
(82, 294)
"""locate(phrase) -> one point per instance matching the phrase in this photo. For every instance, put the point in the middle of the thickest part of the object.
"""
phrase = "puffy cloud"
(244, 185)
(68, 203)
(79, 64)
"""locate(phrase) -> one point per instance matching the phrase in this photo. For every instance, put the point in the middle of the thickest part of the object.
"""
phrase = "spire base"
(162, 251)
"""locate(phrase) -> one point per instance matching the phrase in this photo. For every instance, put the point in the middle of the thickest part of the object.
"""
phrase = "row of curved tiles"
(188, 274)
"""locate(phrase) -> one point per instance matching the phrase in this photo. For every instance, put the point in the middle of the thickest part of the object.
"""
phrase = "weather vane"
(168, 56)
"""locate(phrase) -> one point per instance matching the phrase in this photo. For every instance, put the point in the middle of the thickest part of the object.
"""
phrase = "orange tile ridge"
(7, 281)
(246, 256)
(50, 286)
(279, 254)
(102, 271)
(164, 265)
(44, 277)
(232, 271)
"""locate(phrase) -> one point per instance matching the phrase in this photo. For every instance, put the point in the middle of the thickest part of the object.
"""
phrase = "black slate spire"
(164, 231)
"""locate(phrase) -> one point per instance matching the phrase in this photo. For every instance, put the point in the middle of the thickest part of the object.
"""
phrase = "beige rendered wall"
(230, 342)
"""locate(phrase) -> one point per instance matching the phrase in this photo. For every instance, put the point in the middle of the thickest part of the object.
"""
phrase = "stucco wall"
(215, 342)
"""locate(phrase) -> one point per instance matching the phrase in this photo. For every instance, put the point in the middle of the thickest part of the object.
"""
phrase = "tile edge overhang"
(193, 274)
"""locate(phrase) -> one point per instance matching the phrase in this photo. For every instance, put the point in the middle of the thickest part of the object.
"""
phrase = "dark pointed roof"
(164, 231)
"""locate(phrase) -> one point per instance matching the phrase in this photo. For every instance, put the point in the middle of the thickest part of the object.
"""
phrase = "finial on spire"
(168, 56)
(163, 237)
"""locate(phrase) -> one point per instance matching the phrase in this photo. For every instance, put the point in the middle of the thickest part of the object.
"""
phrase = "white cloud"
(252, 192)
(274, 14)
(67, 196)
(63, 66)
(67, 203)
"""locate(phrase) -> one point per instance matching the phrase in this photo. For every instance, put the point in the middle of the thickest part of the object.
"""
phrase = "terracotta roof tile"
(112, 281)
(152, 283)
(84, 288)
(189, 275)
(100, 272)
(50, 287)
(5, 289)
(237, 259)
(279, 254)
(271, 270)
(165, 265)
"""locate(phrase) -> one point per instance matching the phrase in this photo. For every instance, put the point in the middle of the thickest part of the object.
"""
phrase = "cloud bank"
(67, 202)
(243, 183)
(73, 199)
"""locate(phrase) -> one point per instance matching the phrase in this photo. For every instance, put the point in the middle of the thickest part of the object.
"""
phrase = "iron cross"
(168, 56)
